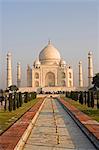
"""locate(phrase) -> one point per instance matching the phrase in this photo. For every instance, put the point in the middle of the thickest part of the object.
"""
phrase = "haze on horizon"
(27, 25)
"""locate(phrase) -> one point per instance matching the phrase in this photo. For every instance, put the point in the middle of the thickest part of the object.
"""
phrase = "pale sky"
(26, 26)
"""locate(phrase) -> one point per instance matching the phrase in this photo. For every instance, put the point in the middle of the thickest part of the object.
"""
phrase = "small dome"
(49, 54)
(37, 63)
(62, 62)
(90, 53)
(80, 62)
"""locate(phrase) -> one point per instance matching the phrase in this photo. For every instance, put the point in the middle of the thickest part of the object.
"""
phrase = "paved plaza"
(55, 130)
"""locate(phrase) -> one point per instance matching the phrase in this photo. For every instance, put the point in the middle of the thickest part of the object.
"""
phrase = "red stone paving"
(10, 138)
(91, 125)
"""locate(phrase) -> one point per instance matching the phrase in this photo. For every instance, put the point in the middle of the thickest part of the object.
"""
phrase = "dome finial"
(49, 42)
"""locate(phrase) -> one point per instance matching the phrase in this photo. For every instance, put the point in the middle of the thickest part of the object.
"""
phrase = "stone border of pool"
(15, 137)
(88, 126)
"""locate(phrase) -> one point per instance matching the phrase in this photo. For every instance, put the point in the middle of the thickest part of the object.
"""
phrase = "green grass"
(92, 112)
(8, 118)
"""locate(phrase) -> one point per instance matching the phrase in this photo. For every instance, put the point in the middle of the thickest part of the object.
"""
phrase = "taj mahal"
(49, 72)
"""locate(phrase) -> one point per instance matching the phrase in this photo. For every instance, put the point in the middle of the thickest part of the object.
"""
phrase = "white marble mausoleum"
(50, 70)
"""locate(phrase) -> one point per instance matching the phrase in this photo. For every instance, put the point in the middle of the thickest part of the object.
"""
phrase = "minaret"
(90, 69)
(29, 76)
(80, 74)
(9, 70)
(18, 75)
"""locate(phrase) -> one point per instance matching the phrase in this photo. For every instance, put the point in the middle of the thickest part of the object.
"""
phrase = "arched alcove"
(63, 83)
(36, 75)
(36, 84)
(50, 79)
(63, 75)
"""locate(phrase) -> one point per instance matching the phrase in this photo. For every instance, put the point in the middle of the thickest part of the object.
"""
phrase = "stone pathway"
(10, 138)
(55, 130)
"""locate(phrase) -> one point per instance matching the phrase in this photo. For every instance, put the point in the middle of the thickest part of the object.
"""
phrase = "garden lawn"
(92, 112)
(8, 118)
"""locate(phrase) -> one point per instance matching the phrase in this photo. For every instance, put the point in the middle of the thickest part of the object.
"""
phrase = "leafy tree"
(96, 80)
(13, 88)
(34, 94)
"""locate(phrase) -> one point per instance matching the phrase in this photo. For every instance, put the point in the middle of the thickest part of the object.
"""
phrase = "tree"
(88, 99)
(14, 102)
(10, 102)
(20, 99)
(81, 98)
(97, 99)
(92, 99)
(6, 98)
(17, 100)
(96, 80)
(13, 88)
(26, 97)
(85, 96)
(1, 96)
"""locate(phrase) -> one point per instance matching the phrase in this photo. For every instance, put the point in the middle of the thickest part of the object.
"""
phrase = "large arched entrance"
(50, 79)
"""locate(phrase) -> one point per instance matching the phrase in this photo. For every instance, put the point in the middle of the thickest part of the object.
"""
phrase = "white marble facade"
(50, 70)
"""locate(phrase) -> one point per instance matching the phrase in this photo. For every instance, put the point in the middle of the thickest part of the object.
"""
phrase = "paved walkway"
(55, 130)
(10, 138)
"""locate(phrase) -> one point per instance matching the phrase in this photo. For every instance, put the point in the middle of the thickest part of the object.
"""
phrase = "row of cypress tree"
(86, 97)
(15, 100)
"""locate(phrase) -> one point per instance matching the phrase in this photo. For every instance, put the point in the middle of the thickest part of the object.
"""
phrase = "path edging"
(89, 134)
(27, 132)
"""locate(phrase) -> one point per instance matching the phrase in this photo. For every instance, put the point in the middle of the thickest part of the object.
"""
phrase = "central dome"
(49, 54)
